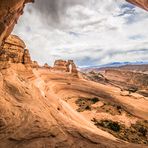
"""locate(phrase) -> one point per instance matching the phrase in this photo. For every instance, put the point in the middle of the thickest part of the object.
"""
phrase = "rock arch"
(66, 66)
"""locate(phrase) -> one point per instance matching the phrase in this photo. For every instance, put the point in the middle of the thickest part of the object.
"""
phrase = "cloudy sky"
(91, 32)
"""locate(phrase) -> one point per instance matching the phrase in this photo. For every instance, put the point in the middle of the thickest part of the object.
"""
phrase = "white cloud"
(91, 32)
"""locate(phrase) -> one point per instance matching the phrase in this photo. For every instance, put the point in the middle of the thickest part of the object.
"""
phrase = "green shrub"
(143, 131)
(95, 100)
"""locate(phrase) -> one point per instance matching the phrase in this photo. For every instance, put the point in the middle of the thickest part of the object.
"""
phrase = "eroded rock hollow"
(37, 105)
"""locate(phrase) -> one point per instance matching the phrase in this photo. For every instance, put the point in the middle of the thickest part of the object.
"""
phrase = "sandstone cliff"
(13, 51)
(141, 3)
(10, 10)
(127, 78)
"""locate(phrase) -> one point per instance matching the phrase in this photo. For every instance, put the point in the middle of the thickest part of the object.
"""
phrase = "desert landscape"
(64, 106)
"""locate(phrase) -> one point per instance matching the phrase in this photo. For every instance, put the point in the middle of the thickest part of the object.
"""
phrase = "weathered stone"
(66, 66)
(26, 57)
(46, 66)
(60, 65)
(35, 64)
(10, 10)
(141, 3)
(73, 67)
(129, 80)
(13, 51)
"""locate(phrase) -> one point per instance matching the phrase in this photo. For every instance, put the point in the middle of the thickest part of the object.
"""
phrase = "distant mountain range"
(114, 64)
(135, 66)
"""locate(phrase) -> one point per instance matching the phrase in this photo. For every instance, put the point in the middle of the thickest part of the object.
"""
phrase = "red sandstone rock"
(35, 64)
(66, 66)
(13, 51)
(60, 65)
(30, 115)
(26, 57)
(127, 79)
(46, 66)
(10, 10)
(141, 3)
(73, 69)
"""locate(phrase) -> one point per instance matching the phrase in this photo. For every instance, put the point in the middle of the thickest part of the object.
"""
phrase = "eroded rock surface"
(33, 112)
(66, 66)
(141, 3)
(13, 51)
(46, 66)
(10, 10)
(127, 79)
(35, 64)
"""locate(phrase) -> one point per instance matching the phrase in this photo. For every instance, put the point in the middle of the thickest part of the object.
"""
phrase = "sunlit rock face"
(10, 10)
(13, 51)
(46, 66)
(35, 64)
(60, 65)
(141, 3)
(66, 66)
(127, 79)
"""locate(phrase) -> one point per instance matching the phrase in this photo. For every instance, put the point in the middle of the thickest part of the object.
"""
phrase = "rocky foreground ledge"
(32, 111)
(36, 108)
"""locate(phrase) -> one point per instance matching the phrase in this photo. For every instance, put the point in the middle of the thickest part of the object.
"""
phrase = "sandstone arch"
(66, 66)
(15, 114)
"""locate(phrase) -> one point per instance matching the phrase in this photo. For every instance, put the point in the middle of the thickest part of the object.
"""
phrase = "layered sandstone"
(61, 65)
(13, 51)
(141, 3)
(32, 110)
(66, 66)
(33, 114)
(10, 10)
(35, 64)
(46, 66)
(127, 78)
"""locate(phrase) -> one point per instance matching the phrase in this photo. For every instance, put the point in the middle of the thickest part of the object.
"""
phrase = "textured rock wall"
(73, 69)
(128, 77)
(10, 10)
(35, 64)
(141, 3)
(46, 66)
(60, 65)
(66, 66)
(13, 51)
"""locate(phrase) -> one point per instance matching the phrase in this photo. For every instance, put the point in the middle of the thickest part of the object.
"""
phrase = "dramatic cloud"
(92, 32)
